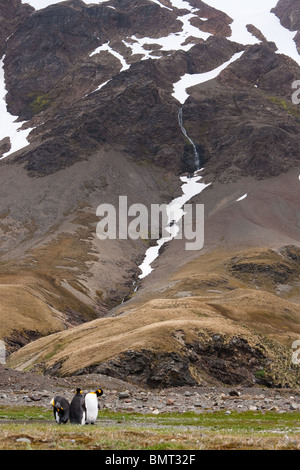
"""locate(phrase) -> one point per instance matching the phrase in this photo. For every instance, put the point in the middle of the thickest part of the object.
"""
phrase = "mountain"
(161, 102)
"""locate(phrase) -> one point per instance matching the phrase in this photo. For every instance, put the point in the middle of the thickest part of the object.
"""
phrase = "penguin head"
(56, 404)
(99, 392)
(78, 391)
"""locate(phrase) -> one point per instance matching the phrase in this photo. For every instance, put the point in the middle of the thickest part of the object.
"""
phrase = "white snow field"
(258, 13)
(173, 42)
(190, 188)
(189, 80)
(10, 128)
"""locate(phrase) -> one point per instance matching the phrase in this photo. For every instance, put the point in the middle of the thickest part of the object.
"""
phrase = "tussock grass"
(132, 431)
(222, 299)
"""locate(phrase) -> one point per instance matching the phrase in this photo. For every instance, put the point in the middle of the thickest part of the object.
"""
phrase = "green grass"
(134, 431)
(27, 413)
(283, 104)
(40, 102)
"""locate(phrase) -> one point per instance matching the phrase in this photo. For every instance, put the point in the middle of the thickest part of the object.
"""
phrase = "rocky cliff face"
(93, 85)
(288, 13)
(13, 13)
(53, 82)
(261, 128)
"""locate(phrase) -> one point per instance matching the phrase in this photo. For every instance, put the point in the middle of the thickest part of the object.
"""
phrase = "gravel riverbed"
(23, 388)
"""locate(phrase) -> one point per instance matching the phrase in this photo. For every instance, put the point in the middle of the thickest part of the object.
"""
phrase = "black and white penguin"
(61, 409)
(92, 406)
(77, 408)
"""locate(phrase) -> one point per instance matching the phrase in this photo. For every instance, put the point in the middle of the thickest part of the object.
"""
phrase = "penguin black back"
(61, 409)
(77, 408)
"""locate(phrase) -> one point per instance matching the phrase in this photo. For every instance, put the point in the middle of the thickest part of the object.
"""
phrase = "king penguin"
(77, 408)
(92, 406)
(61, 409)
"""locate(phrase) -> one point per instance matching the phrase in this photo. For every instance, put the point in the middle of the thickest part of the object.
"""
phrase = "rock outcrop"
(12, 14)
(232, 363)
(289, 16)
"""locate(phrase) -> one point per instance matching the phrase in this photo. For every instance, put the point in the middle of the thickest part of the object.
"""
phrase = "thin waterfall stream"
(196, 155)
(191, 187)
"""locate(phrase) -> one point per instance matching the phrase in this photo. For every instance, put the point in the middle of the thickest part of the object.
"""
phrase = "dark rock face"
(276, 268)
(5, 145)
(217, 23)
(289, 15)
(152, 369)
(56, 42)
(243, 122)
(219, 361)
(49, 157)
(246, 120)
(231, 363)
(19, 339)
(134, 113)
(12, 14)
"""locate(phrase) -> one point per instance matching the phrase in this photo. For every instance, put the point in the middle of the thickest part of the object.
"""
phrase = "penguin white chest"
(91, 405)
(57, 417)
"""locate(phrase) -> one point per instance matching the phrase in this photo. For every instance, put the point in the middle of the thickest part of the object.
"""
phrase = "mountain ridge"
(94, 85)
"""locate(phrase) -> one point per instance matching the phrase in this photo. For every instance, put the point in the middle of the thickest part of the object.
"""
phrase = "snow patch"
(190, 30)
(242, 197)
(258, 13)
(190, 188)
(106, 47)
(172, 42)
(9, 127)
(97, 89)
(137, 46)
(101, 86)
(160, 4)
(189, 80)
(182, 4)
(40, 4)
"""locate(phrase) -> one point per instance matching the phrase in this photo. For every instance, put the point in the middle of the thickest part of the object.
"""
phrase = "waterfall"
(175, 209)
(196, 155)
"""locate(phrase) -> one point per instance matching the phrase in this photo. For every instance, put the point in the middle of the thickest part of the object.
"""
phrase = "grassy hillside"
(209, 310)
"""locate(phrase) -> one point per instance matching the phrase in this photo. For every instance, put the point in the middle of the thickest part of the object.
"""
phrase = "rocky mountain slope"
(95, 90)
